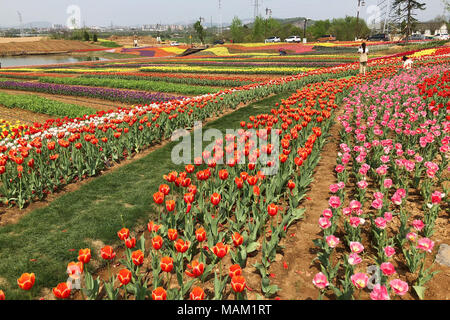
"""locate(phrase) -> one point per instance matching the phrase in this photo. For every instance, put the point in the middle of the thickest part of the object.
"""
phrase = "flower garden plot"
(313, 97)
(391, 190)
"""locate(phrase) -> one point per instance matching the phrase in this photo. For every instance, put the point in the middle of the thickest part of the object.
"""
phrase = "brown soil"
(19, 46)
(24, 116)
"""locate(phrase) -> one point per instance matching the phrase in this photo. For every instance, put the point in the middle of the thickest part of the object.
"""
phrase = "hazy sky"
(137, 12)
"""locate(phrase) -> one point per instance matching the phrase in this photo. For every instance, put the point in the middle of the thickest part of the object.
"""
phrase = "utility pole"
(256, 9)
(220, 17)
(361, 3)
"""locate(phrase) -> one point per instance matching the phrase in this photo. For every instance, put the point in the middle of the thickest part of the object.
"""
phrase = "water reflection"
(16, 61)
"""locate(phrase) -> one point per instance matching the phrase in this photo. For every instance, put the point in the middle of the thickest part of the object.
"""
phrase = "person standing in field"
(363, 57)
(407, 62)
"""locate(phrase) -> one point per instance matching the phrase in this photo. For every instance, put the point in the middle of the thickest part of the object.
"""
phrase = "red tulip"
(170, 205)
(124, 276)
(235, 270)
(181, 245)
(200, 234)
(123, 234)
(238, 283)
(172, 234)
(237, 239)
(159, 294)
(62, 291)
(107, 253)
(215, 198)
(158, 197)
(84, 255)
(220, 250)
(223, 174)
(137, 257)
(165, 189)
(197, 269)
(272, 209)
(166, 264)
(157, 242)
(26, 281)
(197, 294)
(239, 182)
(2, 295)
(130, 243)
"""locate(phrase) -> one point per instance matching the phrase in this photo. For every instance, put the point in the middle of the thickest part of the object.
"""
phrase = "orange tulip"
(220, 250)
(235, 270)
(84, 255)
(75, 269)
(238, 283)
(2, 295)
(157, 242)
(123, 234)
(62, 291)
(197, 294)
(158, 197)
(159, 294)
(166, 264)
(124, 276)
(137, 257)
(200, 234)
(272, 209)
(107, 253)
(197, 269)
(26, 281)
(181, 245)
(172, 234)
(215, 199)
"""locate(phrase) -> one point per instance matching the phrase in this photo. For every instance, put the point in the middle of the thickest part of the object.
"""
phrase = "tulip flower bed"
(390, 190)
(7, 128)
(77, 148)
(147, 85)
(128, 96)
(226, 70)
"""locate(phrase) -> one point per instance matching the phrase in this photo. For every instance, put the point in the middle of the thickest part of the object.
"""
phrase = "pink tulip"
(418, 225)
(425, 244)
(400, 287)
(389, 251)
(334, 202)
(355, 204)
(362, 184)
(320, 281)
(334, 188)
(387, 268)
(354, 259)
(359, 280)
(377, 204)
(324, 223)
(356, 247)
(388, 216)
(436, 197)
(380, 222)
(387, 183)
(327, 213)
(411, 236)
(379, 292)
(354, 222)
(332, 241)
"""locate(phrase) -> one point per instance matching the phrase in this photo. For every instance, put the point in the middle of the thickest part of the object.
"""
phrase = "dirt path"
(295, 282)
(24, 116)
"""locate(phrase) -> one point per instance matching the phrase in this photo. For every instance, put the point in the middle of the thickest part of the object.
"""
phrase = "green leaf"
(252, 247)
(420, 291)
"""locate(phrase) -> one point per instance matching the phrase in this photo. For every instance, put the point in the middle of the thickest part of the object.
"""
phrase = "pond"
(32, 60)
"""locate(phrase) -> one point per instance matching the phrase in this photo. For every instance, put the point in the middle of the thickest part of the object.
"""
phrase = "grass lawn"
(45, 240)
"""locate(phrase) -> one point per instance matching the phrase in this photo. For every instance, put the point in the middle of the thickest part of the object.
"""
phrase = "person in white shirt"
(363, 58)
(407, 62)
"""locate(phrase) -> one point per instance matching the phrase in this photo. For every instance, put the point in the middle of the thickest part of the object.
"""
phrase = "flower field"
(216, 228)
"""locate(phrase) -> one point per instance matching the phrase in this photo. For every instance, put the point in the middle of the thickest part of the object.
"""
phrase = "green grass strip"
(144, 85)
(43, 105)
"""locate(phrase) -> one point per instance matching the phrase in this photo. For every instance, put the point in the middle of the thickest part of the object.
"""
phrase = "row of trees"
(343, 28)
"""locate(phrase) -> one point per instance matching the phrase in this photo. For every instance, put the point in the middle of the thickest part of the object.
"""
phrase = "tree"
(86, 36)
(258, 30)
(237, 30)
(94, 37)
(200, 31)
(404, 11)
